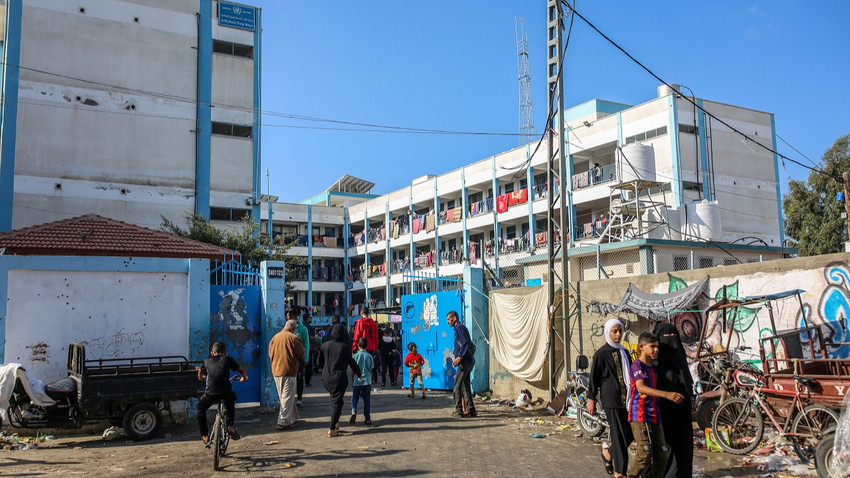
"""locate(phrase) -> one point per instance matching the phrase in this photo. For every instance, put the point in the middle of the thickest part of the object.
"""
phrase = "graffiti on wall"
(825, 303)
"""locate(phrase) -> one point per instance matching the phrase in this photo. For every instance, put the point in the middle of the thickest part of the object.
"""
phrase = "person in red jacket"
(368, 328)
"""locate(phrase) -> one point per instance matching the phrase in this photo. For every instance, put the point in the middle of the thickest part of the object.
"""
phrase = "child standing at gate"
(652, 448)
(414, 362)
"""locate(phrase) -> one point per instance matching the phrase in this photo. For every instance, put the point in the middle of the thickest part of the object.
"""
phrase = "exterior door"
(235, 320)
(423, 321)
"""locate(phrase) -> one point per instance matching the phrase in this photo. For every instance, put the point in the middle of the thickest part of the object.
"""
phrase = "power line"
(616, 45)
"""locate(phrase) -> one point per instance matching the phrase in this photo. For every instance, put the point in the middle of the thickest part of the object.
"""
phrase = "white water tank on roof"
(636, 162)
(703, 221)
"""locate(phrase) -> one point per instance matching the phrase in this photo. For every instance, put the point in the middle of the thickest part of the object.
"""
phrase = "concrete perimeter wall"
(826, 302)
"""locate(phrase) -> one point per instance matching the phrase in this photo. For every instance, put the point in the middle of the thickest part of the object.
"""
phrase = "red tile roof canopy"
(93, 235)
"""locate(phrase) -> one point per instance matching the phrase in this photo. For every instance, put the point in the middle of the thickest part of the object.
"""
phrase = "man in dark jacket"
(464, 361)
(386, 347)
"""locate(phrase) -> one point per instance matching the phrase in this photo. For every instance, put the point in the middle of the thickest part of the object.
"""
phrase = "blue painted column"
(476, 319)
(673, 131)
(310, 257)
(9, 111)
(204, 116)
(776, 178)
(703, 153)
(437, 246)
(619, 129)
(388, 253)
(465, 210)
(199, 309)
(529, 181)
(411, 254)
(497, 228)
(274, 305)
(255, 127)
(366, 258)
(346, 261)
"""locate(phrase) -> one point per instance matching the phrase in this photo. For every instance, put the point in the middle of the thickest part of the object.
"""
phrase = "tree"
(246, 239)
(813, 221)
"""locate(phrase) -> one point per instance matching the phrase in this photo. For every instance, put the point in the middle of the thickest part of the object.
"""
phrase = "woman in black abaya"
(674, 375)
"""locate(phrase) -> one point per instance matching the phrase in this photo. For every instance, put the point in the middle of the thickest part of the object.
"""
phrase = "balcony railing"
(596, 175)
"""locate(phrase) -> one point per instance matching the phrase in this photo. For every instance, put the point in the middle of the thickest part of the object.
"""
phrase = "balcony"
(596, 175)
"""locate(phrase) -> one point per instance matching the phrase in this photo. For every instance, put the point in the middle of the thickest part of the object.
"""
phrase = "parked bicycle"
(219, 438)
(739, 421)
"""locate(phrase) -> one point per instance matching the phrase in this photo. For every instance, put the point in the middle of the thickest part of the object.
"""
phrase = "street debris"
(112, 433)
(15, 442)
(273, 442)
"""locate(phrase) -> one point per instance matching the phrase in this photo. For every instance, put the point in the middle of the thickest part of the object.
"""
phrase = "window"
(450, 204)
(509, 188)
(524, 228)
(510, 232)
(523, 183)
(680, 263)
(330, 231)
(653, 133)
(228, 214)
(235, 49)
(705, 262)
(689, 129)
(475, 197)
(227, 129)
(729, 262)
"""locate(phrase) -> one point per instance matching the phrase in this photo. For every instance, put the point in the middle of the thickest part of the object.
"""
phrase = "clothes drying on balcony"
(518, 197)
(502, 203)
(430, 223)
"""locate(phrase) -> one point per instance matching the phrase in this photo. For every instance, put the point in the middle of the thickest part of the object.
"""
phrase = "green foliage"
(246, 239)
(813, 220)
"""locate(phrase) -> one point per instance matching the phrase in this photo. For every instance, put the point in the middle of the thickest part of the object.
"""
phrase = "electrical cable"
(744, 135)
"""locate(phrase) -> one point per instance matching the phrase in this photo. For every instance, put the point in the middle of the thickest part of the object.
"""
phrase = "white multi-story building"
(656, 187)
(130, 109)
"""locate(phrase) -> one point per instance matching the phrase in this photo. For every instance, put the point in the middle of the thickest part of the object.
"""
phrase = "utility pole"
(556, 193)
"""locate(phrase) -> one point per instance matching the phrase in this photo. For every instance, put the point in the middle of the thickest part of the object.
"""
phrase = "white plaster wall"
(231, 165)
(116, 314)
(233, 86)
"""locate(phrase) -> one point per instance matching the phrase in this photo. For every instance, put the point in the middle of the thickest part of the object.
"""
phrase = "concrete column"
(273, 285)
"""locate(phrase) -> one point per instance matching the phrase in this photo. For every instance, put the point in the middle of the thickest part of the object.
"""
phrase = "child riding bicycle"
(216, 371)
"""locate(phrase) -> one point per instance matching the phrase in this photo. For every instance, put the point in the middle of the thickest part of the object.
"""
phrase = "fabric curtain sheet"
(654, 307)
(520, 331)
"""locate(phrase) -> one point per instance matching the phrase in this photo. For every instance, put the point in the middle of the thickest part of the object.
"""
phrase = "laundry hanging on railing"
(502, 203)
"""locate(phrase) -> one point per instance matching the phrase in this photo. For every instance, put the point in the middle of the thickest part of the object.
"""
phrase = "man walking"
(464, 361)
(286, 352)
(303, 334)
(368, 328)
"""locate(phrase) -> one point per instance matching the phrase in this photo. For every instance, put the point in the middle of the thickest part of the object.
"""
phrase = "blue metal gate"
(235, 314)
(423, 321)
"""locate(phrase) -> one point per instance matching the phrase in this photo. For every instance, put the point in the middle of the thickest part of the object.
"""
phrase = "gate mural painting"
(424, 323)
(235, 321)
(826, 302)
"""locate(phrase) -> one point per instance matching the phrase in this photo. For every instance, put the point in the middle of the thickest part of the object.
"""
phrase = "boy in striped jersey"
(643, 411)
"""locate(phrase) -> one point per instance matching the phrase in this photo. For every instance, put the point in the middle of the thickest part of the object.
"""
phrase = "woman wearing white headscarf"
(610, 382)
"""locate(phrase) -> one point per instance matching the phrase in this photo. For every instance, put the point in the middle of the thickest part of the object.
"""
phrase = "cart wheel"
(738, 426)
(142, 421)
(811, 424)
(705, 412)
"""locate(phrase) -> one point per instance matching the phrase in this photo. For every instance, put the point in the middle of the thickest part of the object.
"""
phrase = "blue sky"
(452, 65)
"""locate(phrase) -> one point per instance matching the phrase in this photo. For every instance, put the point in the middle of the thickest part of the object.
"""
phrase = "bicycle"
(738, 423)
(219, 438)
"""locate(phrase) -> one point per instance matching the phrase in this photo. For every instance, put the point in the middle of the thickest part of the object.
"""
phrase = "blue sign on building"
(236, 16)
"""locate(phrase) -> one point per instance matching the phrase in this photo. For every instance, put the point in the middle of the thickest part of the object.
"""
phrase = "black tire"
(811, 422)
(219, 435)
(737, 426)
(705, 412)
(142, 421)
(823, 456)
(591, 428)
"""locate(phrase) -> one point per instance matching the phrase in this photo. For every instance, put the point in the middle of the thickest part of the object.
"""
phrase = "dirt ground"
(410, 437)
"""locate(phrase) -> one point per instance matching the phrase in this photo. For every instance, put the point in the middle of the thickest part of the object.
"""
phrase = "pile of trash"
(15, 442)
(521, 403)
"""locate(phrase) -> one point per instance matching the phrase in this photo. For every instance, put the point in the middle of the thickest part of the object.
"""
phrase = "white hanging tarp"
(519, 327)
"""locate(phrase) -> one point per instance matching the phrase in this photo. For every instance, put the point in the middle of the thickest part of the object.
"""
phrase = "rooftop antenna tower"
(526, 115)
